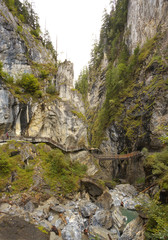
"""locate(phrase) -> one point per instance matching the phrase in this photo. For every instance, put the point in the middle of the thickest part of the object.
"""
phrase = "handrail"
(118, 156)
(70, 149)
(42, 140)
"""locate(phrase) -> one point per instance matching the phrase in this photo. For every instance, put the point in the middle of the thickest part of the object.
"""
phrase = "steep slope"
(46, 106)
(128, 94)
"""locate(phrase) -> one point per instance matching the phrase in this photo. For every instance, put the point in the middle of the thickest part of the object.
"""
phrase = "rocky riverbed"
(77, 219)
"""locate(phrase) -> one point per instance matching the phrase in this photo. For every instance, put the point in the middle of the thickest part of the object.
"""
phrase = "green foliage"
(9, 165)
(4, 165)
(82, 84)
(51, 89)
(5, 76)
(79, 115)
(24, 12)
(157, 225)
(61, 173)
(159, 164)
(29, 83)
(111, 34)
(36, 32)
(19, 29)
(147, 48)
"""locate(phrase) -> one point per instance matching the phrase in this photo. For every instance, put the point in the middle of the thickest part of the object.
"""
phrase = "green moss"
(79, 115)
(23, 179)
(147, 48)
(42, 229)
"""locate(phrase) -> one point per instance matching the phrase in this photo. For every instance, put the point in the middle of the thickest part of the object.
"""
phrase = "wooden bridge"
(42, 140)
(118, 156)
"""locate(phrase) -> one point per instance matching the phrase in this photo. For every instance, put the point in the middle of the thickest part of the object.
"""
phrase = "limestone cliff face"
(17, 45)
(143, 112)
(144, 20)
(56, 119)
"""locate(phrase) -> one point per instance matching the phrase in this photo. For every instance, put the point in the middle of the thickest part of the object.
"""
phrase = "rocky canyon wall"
(56, 118)
(144, 20)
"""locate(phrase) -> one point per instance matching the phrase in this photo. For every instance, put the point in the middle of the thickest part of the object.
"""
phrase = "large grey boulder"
(119, 221)
(71, 232)
(88, 209)
(102, 218)
(134, 230)
(102, 234)
(125, 195)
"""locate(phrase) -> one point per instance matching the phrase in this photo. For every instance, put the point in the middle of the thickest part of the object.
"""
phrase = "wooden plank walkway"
(53, 143)
(118, 156)
(42, 140)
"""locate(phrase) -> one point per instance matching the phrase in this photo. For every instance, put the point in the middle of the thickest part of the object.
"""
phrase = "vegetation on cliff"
(23, 165)
(26, 14)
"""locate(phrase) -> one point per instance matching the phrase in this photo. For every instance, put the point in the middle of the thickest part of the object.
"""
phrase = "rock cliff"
(135, 111)
(145, 19)
(17, 46)
(56, 118)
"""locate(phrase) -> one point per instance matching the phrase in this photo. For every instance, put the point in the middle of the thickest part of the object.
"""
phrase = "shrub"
(159, 164)
(4, 166)
(61, 172)
(38, 94)
(57, 162)
(29, 83)
(19, 29)
(157, 225)
(51, 89)
(35, 32)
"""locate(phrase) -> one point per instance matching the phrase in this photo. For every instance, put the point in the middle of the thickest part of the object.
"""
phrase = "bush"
(157, 225)
(57, 162)
(38, 94)
(61, 172)
(35, 32)
(4, 166)
(51, 89)
(29, 83)
(159, 164)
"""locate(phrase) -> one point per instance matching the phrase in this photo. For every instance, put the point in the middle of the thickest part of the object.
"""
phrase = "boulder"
(105, 200)
(119, 221)
(71, 232)
(102, 218)
(134, 230)
(124, 195)
(101, 234)
(5, 208)
(57, 209)
(53, 236)
(92, 187)
(88, 209)
(29, 206)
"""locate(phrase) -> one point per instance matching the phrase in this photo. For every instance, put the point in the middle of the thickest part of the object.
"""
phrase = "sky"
(75, 23)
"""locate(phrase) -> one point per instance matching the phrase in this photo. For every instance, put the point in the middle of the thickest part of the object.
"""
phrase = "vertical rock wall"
(144, 19)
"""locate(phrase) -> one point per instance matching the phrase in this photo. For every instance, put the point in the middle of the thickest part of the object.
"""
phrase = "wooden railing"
(42, 140)
(118, 156)
(70, 149)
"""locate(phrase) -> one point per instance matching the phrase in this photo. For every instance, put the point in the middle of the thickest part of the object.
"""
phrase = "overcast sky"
(76, 23)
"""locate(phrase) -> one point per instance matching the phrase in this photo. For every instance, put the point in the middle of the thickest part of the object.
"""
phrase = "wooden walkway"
(118, 156)
(55, 144)
(43, 140)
